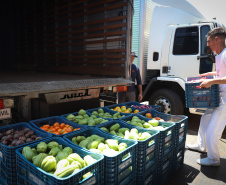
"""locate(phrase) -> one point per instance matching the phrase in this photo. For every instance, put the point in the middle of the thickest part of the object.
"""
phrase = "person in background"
(213, 121)
(130, 95)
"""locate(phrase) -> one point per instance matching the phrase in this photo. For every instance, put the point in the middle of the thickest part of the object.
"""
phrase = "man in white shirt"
(213, 121)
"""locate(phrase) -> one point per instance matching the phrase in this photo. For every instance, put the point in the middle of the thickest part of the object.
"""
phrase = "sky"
(208, 8)
(211, 8)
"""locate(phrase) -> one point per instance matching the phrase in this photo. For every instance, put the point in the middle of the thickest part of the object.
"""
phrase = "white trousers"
(211, 127)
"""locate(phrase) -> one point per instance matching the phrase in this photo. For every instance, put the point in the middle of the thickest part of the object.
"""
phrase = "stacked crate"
(30, 174)
(8, 167)
(118, 170)
(147, 152)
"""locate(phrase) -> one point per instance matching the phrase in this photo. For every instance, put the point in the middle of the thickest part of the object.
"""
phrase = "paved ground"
(191, 172)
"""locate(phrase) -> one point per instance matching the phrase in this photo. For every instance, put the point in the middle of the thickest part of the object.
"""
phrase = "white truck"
(60, 56)
(170, 41)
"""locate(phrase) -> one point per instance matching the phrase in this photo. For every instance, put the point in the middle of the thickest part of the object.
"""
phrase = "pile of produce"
(151, 124)
(55, 159)
(97, 144)
(141, 106)
(58, 128)
(84, 119)
(126, 132)
(148, 115)
(124, 109)
(13, 137)
(100, 112)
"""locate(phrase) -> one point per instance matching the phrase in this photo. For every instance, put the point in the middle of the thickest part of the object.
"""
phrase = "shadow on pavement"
(184, 175)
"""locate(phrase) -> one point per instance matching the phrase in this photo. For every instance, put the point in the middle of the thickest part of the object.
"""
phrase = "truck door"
(189, 54)
(184, 51)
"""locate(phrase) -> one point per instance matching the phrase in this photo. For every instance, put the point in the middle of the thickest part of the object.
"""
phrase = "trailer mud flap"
(63, 97)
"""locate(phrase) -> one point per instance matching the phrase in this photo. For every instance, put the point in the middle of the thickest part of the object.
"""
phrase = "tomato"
(62, 125)
(46, 126)
(56, 124)
(50, 131)
(57, 128)
(69, 130)
(62, 131)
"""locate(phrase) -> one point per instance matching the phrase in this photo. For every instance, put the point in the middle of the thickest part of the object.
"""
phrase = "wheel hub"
(164, 104)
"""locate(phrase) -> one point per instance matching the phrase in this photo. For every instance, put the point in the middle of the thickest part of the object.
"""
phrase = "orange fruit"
(136, 111)
(117, 108)
(127, 111)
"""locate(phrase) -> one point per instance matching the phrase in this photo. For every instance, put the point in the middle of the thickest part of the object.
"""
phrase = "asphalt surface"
(192, 173)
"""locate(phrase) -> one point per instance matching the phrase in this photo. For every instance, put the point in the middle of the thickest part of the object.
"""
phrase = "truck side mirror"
(155, 56)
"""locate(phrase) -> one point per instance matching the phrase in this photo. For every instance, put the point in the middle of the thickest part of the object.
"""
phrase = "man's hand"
(206, 83)
(140, 96)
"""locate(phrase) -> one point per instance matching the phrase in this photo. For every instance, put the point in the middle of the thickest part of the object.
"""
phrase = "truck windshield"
(206, 64)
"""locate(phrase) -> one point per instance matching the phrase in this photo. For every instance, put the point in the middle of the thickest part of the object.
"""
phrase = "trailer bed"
(21, 83)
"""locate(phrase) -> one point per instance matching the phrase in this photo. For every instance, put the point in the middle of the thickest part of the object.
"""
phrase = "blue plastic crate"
(8, 154)
(2, 182)
(50, 121)
(131, 103)
(109, 111)
(21, 180)
(164, 169)
(117, 170)
(147, 150)
(178, 156)
(166, 136)
(149, 177)
(38, 176)
(201, 97)
(76, 114)
(180, 121)
(8, 174)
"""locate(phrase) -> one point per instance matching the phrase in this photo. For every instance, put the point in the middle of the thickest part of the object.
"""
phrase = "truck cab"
(177, 49)
(184, 54)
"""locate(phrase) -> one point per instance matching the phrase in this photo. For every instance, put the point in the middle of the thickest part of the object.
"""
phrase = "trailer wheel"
(169, 101)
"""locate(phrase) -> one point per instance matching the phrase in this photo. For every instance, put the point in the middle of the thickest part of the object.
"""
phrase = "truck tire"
(169, 101)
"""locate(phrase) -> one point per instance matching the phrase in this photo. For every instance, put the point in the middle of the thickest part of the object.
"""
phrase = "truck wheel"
(169, 101)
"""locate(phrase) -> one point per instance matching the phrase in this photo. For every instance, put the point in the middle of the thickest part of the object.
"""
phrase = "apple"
(148, 115)
(154, 123)
(157, 118)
